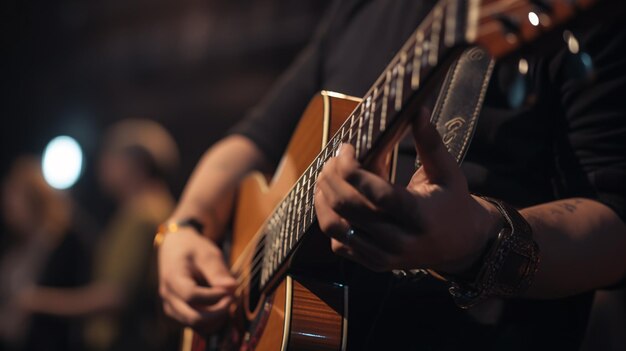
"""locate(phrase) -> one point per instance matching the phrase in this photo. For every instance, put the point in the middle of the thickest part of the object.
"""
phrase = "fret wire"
(351, 119)
(417, 60)
(424, 59)
(306, 203)
(292, 213)
(295, 213)
(451, 18)
(408, 75)
(474, 13)
(383, 117)
(313, 176)
(357, 147)
(299, 212)
(286, 228)
(289, 219)
(400, 81)
(268, 248)
(300, 208)
(275, 236)
(370, 106)
(303, 207)
(310, 207)
(283, 220)
(434, 35)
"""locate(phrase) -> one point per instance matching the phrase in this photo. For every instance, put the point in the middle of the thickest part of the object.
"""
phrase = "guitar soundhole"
(254, 294)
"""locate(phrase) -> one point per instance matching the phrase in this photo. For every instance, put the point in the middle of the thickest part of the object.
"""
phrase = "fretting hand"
(432, 223)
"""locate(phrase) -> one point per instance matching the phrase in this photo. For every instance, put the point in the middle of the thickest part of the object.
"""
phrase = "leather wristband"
(509, 263)
(170, 227)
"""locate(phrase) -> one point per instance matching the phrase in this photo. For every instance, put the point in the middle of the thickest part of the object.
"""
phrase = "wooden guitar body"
(300, 318)
(306, 307)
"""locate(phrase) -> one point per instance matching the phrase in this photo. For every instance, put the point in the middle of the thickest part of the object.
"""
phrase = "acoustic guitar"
(293, 293)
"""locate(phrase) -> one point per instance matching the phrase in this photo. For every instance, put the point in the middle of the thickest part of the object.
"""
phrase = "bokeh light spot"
(62, 162)
(533, 18)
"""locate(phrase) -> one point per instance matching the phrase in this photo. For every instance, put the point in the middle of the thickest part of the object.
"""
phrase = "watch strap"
(509, 265)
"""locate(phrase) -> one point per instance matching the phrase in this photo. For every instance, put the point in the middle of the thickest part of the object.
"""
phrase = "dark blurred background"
(74, 67)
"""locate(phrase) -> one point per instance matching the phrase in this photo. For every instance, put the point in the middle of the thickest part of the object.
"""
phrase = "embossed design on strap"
(460, 100)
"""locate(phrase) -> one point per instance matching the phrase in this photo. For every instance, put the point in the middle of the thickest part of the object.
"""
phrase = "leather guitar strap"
(456, 111)
(460, 100)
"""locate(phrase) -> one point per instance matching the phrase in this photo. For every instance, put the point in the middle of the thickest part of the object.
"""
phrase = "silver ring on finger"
(350, 233)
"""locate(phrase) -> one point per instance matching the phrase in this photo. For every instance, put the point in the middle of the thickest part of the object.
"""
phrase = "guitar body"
(307, 307)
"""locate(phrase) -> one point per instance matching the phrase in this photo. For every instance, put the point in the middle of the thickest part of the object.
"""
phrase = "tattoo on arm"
(570, 206)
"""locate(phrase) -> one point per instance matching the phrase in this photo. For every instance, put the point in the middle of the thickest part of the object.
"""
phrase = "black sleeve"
(270, 124)
(592, 84)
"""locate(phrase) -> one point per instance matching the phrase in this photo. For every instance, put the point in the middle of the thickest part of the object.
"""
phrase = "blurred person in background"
(45, 251)
(121, 301)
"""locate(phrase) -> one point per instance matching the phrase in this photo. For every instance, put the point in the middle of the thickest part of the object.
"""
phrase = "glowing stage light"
(62, 162)
(533, 18)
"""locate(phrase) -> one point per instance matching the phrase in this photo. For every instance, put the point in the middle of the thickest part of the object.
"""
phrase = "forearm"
(209, 192)
(583, 247)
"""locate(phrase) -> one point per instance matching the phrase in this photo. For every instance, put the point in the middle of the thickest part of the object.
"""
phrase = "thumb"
(437, 162)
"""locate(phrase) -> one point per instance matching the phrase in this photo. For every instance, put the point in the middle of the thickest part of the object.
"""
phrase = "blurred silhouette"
(45, 251)
(120, 303)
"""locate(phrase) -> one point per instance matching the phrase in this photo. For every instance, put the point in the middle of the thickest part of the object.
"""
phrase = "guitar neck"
(499, 26)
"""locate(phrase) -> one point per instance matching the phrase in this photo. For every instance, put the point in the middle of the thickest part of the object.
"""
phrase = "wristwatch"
(174, 226)
(508, 265)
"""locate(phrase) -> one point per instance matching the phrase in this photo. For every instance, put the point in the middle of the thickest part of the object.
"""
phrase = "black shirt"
(559, 131)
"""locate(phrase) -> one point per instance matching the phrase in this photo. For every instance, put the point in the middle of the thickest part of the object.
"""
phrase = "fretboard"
(500, 26)
(443, 29)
